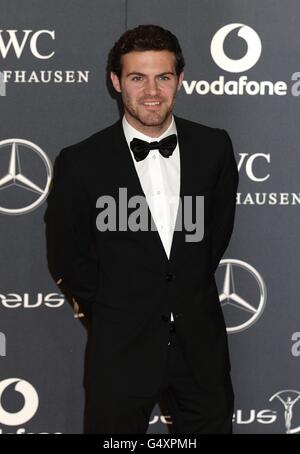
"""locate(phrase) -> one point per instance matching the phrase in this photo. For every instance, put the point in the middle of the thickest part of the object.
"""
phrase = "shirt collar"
(130, 132)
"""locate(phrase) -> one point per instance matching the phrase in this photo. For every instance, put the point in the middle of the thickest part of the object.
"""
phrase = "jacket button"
(170, 277)
(179, 314)
(165, 318)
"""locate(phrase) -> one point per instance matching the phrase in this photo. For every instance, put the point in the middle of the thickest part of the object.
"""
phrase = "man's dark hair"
(142, 38)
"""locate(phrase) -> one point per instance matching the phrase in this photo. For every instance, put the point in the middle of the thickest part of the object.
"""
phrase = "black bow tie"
(166, 146)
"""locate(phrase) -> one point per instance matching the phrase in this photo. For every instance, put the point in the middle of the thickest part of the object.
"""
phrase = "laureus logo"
(236, 65)
(288, 398)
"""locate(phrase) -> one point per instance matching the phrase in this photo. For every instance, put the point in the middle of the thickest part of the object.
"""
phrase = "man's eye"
(139, 78)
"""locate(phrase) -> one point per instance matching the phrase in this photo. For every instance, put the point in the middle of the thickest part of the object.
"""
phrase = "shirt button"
(157, 192)
(154, 156)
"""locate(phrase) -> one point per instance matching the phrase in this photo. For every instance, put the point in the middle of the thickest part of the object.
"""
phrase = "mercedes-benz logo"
(241, 309)
(33, 177)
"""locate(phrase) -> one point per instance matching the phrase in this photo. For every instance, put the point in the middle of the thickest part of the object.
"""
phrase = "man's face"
(148, 85)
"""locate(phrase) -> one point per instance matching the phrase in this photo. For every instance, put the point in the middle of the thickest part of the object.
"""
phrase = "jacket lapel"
(185, 149)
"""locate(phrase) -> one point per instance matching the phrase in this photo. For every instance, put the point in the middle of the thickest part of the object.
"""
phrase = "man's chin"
(153, 119)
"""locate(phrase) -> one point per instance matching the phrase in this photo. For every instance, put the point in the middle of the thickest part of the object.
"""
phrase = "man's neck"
(151, 131)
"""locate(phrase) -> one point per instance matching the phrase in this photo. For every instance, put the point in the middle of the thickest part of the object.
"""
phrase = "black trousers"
(193, 410)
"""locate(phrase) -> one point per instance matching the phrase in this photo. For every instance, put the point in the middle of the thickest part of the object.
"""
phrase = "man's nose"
(151, 87)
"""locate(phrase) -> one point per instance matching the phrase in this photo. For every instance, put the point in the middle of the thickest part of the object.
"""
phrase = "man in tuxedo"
(157, 331)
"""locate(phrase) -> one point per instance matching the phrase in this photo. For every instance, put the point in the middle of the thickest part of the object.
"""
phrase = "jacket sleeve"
(71, 250)
(224, 203)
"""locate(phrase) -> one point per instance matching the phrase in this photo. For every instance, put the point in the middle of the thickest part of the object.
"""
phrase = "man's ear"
(180, 79)
(115, 81)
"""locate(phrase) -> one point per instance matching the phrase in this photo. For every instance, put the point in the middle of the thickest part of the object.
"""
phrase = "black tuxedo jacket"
(123, 280)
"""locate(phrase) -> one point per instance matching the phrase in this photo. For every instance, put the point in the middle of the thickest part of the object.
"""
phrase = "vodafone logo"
(238, 86)
(30, 406)
(248, 60)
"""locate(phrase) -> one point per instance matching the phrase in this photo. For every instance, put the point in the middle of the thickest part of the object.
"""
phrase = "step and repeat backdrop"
(242, 74)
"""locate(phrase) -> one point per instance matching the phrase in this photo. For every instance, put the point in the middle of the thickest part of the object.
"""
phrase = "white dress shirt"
(160, 181)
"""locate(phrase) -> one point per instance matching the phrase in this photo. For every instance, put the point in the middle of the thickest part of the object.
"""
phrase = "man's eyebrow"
(158, 75)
